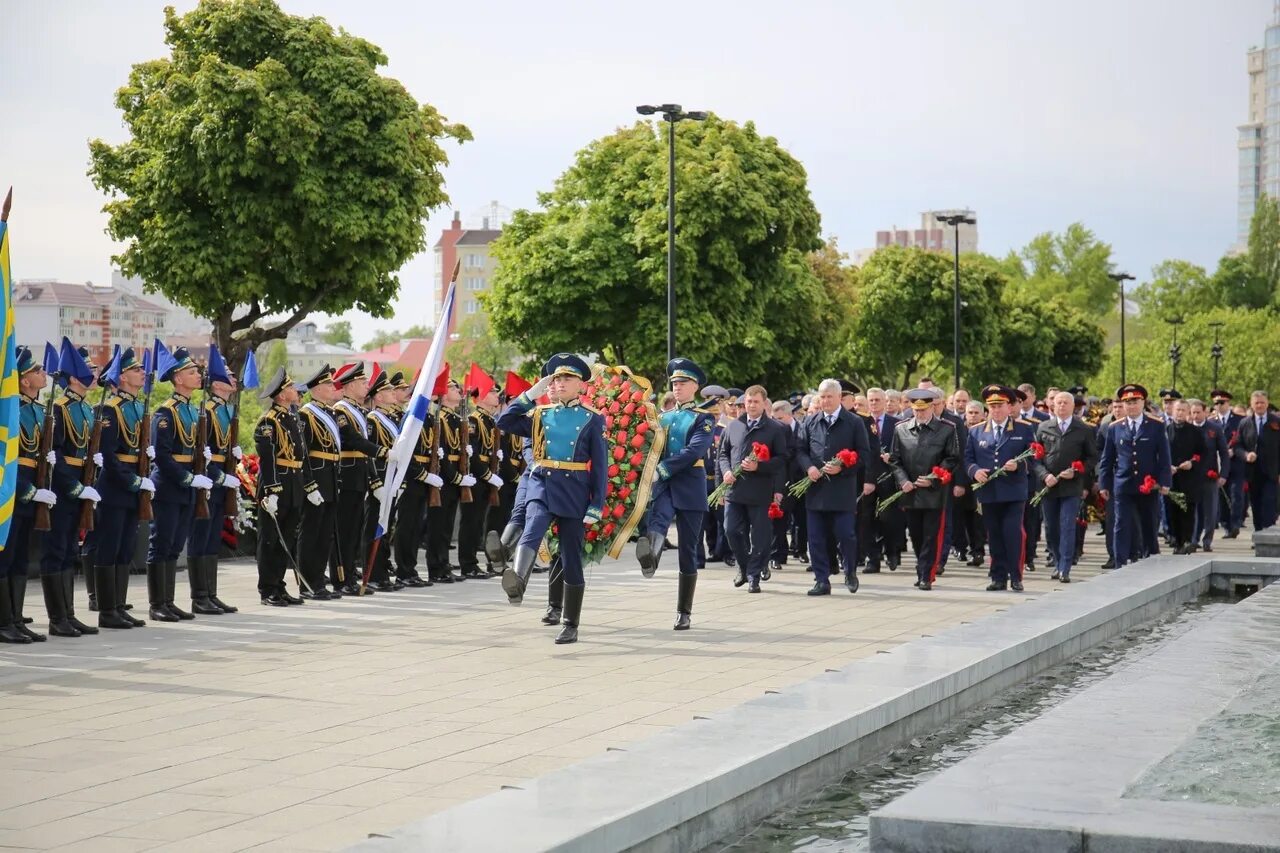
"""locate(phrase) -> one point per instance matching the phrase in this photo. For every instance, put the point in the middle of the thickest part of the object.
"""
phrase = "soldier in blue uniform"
(1136, 447)
(680, 489)
(174, 433)
(72, 430)
(995, 444)
(115, 527)
(13, 559)
(567, 479)
(206, 533)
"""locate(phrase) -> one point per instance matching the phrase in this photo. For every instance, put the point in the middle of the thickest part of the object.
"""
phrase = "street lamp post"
(955, 220)
(1216, 352)
(1120, 278)
(671, 113)
(1175, 351)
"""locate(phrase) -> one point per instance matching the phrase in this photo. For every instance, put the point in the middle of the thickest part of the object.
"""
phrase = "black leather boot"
(90, 581)
(516, 580)
(108, 614)
(555, 595)
(9, 632)
(648, 550)
(155, 594)
(121, 598)
(684, 600)
(198, 578)
(18, 595)
(170, 579)
(211, 581)
(572, 613)
(69, 599)
(54, 590)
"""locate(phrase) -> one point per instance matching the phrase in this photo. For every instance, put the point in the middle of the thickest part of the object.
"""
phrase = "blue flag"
(249, 376)
(217, 368)
(111, 373)
(148, 372)
(164, 360)
(50, 359)
(71, 364)
(9, 400)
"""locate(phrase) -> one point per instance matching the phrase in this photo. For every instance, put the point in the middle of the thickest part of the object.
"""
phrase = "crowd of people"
(845, 481)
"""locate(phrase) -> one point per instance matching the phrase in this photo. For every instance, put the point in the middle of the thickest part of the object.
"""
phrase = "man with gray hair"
(893, 402)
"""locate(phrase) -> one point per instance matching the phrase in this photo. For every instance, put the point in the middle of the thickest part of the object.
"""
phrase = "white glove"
(51, 457)
(468, 450)
(270, 503)
(89, 493)
(315, 497)
(200, 481)
(467, 481)
(494, 480)
(230, 481)
(434, 480)
(589, 519)
(501, 455)
(147, 485)
(45, 497)
(237, 453)
(208, 455)
(380, 493)
(151, 453)
(97, 459)
(539, 388)
(440, 451)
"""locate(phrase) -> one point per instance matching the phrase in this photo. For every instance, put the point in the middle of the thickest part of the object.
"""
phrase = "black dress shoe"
(730, 561)
(206, 607)
(475, 573)
(32, 636)
(226, 608)
(820, 588)
(873, 569)
(379, 586)
(321, 594)
(924, 586)
(443, 578)
(1109, 564)
(740, 578)
(290, 599)
(976, 561)
(353, 589)
(1055, 576)
(996, 587)
(1232, 533)
(851, 581)
(179, 612)
(802, 557)
(1016, 586)
(765, 573)
(755, 585)
(1208, 549)
(162, 614)
(1064, 579)
(942, 570)
(274, 601)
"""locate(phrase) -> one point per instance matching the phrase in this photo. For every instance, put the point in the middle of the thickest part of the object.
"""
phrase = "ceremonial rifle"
(198, 463)
(89, 473)
(143, 466)
(493, 462)
(464, 432)
(43, 521)
(433, 493)
(233, 435)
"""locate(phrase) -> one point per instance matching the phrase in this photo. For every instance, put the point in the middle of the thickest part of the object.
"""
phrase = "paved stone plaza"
(310, 727)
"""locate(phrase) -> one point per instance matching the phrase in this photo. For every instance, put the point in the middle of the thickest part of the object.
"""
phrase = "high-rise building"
(932, 235)
(470, 247)
(1258, 142)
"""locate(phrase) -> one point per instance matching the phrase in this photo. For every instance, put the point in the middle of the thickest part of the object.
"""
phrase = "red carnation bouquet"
(844, 459)
(1149, 484)
(1076, 466)
(1036, 450)
(775, 511)
(1211, 474)
(759, 453)
(942, 475)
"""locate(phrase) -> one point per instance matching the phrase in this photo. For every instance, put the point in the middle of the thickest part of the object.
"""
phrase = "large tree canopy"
(1071, 266)
(587, 273)
(270, 170)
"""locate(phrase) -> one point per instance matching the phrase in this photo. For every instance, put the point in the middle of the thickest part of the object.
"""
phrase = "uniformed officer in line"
(680, 488)
(1136, 447)
(484, 446)
(115, 525)
(454, 473)
(384, 427)
(281, 488)
(511, 468)
(206, 533)
(411, 506)
(174, 430)
(995, 445)
(321, 444)
(568, 480)
(73, 419)
(13, 559)
(357, 478)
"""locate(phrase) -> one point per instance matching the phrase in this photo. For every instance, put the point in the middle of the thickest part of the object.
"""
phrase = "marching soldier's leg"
(649, 545)
(689, 526)
(555, 593)
(575, 584)
(515, 580)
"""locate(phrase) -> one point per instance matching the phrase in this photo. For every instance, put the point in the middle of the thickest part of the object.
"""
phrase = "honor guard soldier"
(384, 426)
(453, 471)
(321, 443)
(483, 450)
(115, 527)
(356, 476)
(567, 482)
(281, 490)
(73, 423)
(206, 533)
(920, 444)
(411, 506)
(994, 445)
(27, 497)
(511, 468)
(1136, 448)
(680, 489)
(175, 427)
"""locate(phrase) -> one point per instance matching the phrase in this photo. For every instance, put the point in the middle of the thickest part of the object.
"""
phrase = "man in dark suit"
(1136, 448)
(755, 486)
(833, 497)
(880, 535)
(1216, 469)
(1258, 449)
(1233, 493)
(1067, 441)
(782, 413)
(921, 444)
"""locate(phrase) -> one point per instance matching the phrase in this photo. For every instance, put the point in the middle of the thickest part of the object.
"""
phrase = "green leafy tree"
(1264, 245)
(475, 341)
(587, 273)
(1238, 285)
(1072, 266)
(392, 336)
(270, 170)
(1042, 342)
(337, 333)
(1176, 289)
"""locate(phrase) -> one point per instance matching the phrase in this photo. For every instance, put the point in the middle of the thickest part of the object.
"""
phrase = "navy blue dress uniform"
(453, 471)
(14, 557)
(281, 490)
(174, 430)
(321, 444)
(115, 526)
(831, 502)
(1260, 435)
(411, 508)
(384, 427)
(990, 447)
(205, 541)
(881, 536)
(1135, 448)
(357, 476)
(1217, 460)
(680, 488)
(1233, 496)
(567, 483)
(918, 447)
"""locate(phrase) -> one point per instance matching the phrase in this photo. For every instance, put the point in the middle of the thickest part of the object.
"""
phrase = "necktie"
(831, 421)
(1260, 423)
(1063, 425)
(751, 425)
(999, 432)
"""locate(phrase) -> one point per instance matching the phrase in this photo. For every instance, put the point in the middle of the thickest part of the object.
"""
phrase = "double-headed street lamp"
(1120, 278)
(955, 220)
(1175, 351)
(1216, 352)
(671, 113)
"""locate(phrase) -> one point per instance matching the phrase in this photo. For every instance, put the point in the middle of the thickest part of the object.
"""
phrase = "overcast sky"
(1121, 114)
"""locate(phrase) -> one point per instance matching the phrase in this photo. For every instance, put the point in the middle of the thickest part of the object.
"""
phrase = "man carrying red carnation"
(753, 464)
(680, 489)
(1135, 449)
(923, 455)
(993, 453)
(1071, 454)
